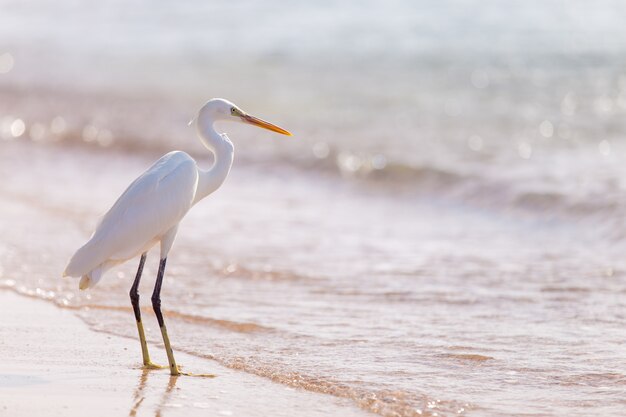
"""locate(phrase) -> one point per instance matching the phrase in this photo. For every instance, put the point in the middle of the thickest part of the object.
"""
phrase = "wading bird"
(151, 208)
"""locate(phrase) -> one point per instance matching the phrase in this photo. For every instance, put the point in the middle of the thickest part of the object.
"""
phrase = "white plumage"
(146, 213)
(150, 209)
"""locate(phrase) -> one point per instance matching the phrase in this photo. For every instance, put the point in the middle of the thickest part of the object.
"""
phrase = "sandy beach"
(53, 365)
(443, 234)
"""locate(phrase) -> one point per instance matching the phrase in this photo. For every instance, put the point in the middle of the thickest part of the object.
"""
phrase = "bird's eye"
(232, 110)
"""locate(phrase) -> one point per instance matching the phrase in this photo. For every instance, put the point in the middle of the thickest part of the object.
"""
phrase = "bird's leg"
(134, 299)
(156, 304)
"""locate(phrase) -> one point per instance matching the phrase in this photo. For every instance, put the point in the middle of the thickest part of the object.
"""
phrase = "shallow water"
(443, 235)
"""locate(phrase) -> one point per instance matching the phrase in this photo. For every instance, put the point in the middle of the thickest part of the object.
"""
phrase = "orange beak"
(265, 125)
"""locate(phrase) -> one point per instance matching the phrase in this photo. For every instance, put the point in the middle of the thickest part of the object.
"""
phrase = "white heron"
(151, 208)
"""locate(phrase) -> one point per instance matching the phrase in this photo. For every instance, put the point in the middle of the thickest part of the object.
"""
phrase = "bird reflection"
(139, 396)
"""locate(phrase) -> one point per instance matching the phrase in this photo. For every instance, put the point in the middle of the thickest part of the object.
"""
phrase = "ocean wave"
(48, 295)
(387, 403)
(464, 177)
(479, 187)
(462, 182)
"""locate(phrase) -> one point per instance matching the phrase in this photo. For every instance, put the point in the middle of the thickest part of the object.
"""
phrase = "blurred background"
(521, 96)
(443, 234)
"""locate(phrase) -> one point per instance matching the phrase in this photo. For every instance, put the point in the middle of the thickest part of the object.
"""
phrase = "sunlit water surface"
(442, 236)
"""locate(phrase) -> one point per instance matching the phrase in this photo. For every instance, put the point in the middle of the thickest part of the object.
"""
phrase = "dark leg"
(134, 299)
(156, 305)
(134, 294)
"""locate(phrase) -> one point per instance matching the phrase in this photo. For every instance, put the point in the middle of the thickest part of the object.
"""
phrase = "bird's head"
(219, 109)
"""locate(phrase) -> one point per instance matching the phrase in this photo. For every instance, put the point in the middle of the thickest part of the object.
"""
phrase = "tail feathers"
(85, 259)
(90, 262)
(84, 283)
(91, 278)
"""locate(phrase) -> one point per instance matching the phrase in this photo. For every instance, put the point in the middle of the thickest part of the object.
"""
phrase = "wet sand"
(53, 365)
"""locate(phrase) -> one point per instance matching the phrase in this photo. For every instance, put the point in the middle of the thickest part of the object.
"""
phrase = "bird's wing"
(150, 206)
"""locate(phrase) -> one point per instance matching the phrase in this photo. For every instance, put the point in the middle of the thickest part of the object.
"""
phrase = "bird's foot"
(150, 365)
(180, 372)
(198, 375)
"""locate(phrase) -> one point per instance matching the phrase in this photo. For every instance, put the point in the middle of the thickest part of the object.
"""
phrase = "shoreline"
(49, 354)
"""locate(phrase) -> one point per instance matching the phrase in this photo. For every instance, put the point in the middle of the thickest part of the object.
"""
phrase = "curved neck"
(223, 151)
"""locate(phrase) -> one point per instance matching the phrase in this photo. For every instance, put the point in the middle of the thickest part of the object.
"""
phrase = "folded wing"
(153, 204)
